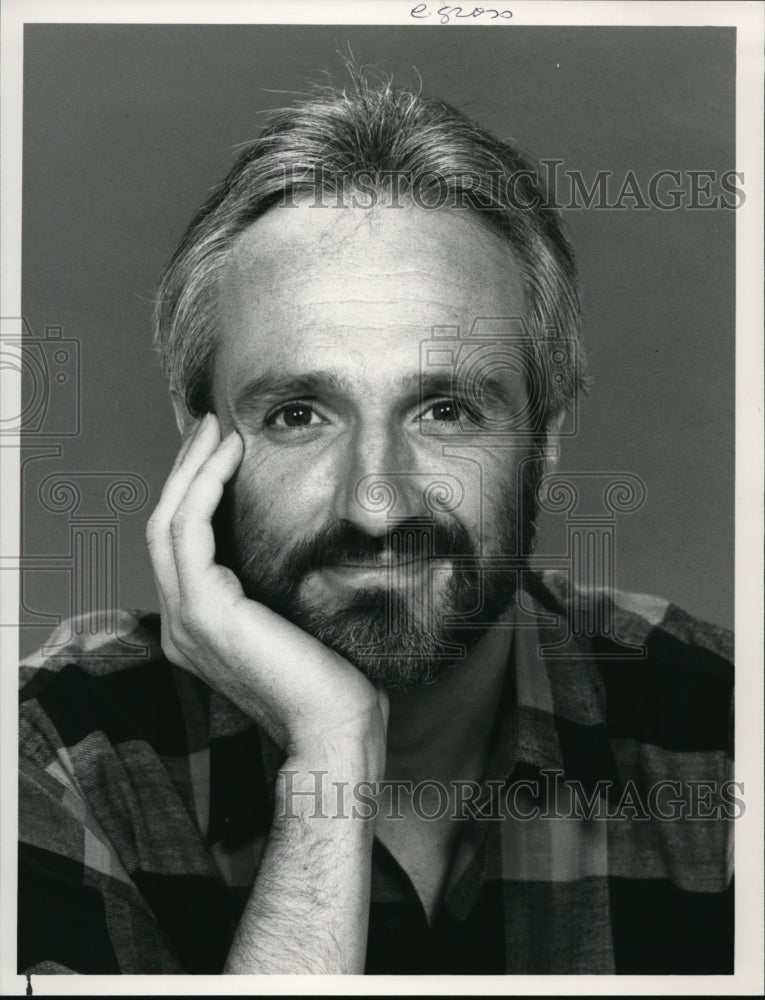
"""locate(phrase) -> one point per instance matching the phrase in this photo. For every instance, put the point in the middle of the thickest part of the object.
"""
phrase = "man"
(367, 738)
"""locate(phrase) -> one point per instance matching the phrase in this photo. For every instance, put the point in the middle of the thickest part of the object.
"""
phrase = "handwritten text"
(446, 12)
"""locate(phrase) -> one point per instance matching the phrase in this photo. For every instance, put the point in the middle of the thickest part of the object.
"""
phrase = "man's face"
(373, 487)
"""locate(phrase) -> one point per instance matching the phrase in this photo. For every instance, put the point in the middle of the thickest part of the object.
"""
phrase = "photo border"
(748, 19)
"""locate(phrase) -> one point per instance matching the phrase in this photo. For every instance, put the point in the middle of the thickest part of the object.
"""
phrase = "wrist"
(354, 752)
(340, 758)
(338, 781)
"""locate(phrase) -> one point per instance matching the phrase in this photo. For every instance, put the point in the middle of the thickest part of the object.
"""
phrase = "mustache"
(343, 543)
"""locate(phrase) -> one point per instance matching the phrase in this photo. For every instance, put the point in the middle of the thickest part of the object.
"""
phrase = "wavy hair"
(360, 138)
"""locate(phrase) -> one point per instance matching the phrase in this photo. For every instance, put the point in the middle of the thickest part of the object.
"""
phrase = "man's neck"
(441, 731)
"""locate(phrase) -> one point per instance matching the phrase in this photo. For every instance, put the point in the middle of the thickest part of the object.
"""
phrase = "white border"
(749, 18)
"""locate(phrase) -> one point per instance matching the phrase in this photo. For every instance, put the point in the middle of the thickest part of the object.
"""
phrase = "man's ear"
(183, 419)
(553, 440)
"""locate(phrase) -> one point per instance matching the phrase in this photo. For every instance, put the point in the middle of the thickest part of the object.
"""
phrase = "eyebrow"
(489, 388)
(272, 384)
(282, 385)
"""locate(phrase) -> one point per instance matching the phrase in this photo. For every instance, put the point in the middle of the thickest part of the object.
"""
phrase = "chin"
(394, 656)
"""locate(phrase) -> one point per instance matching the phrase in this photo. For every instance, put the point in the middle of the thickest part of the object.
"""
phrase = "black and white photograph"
(382, 393)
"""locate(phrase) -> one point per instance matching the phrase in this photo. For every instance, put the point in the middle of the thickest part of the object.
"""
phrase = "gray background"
(127, 127)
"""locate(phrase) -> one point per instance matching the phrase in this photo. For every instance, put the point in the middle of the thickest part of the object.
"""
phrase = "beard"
(408, 630)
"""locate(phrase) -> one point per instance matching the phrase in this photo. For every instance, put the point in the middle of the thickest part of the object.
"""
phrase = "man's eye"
(294, 415)
(444, 411)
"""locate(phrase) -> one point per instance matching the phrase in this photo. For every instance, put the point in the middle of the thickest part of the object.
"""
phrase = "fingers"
(196, 450)
(191, 526)
(158, 528)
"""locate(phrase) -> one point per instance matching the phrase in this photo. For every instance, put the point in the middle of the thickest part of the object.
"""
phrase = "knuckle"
(179, 526)
(189, 619)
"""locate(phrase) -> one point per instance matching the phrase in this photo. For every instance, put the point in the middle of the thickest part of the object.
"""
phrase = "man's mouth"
(386, 564)
(360, 574)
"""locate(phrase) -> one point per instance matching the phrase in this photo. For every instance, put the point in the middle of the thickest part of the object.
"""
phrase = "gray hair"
(362, 138)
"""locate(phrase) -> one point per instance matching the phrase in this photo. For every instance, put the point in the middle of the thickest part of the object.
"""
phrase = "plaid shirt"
(146, 800)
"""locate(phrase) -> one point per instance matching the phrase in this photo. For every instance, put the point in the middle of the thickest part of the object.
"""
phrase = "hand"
(306, 697)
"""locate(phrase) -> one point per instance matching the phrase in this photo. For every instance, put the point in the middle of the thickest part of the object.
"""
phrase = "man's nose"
(379, 483)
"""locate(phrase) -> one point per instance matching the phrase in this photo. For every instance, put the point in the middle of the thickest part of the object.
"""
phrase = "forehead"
(356, 290)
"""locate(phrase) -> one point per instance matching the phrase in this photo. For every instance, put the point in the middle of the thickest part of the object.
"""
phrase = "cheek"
(278, 498)
(488, 478)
